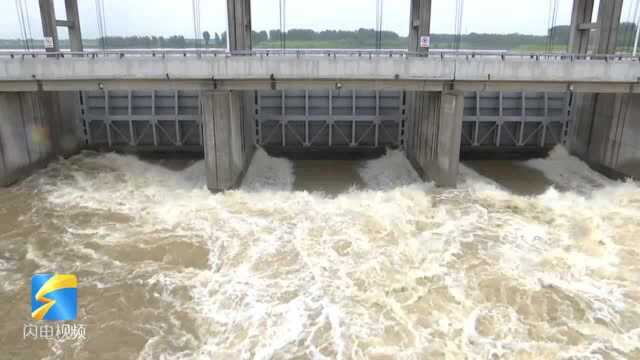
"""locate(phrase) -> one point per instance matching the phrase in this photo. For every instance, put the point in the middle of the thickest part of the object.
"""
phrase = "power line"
(196, 21)
(283, 24)
(102, 26)
(457, 38)
(379, 10)
(551, 24)
(28, 24)
(22, 23)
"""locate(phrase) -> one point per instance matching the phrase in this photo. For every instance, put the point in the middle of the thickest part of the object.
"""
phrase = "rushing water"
(533, 260)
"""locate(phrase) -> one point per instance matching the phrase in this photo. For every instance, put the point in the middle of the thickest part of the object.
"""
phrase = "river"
(323, 260)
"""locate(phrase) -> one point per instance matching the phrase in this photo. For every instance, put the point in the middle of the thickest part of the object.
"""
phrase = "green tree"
(206, 36)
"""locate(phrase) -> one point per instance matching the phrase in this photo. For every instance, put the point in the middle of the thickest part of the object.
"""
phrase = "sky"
(174, 17)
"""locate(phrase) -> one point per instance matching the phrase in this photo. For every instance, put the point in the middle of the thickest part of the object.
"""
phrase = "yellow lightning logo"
(57, 282)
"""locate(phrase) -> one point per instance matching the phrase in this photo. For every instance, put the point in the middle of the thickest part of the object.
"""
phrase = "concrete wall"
(86, 73)
(607, 132)
(628, 159)
(228, 146)
(610, 138)
(35, 127)
(435, 136)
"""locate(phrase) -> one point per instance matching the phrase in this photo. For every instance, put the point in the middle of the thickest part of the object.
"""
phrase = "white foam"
(568, 172)
(397, 269)
(268, 173)
(391, 170)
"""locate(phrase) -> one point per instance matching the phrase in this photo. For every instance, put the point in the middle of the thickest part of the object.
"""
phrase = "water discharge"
(392, 268)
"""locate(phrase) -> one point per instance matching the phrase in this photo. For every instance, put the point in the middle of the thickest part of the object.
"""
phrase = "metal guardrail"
(464, 54)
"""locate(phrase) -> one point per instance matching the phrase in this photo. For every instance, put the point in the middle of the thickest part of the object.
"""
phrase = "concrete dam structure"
(434, 105)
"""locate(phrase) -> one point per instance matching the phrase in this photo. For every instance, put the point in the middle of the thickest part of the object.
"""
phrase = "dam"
(433, 105)
(322, 204)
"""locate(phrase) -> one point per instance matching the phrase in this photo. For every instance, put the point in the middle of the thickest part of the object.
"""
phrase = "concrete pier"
(434, 118)
(581, 26)
(608, 132)
(40, 125)
(73, 24)
(420, 24)
(227, 153)
(34, 128)
(605, 132)
(228, 115)
(50, 25)
(434, 148)
(239, 18)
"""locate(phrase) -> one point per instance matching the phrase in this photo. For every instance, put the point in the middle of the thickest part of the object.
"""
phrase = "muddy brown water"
(323, 260)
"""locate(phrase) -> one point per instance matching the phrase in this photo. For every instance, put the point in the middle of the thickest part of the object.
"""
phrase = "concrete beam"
(389, 85)
(312, 68)
(208, 85)
(239, 20)
(224, 147)
(64, 23)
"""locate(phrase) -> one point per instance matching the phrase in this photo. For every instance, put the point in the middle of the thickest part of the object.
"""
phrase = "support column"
(609, 13)
(61, 108)
(420, 24)
(601, 121)
(239, 18)
(226, 156)
(73, 23)
(437, 136)
(581, 26)
(605, 30)
(239, 30)
(49, 27)
(32, 133)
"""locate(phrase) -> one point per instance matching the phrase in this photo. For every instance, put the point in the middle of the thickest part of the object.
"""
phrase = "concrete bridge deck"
(381, 70)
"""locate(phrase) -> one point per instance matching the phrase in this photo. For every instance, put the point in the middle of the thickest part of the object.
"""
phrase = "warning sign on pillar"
(425, 41)
(48, 42)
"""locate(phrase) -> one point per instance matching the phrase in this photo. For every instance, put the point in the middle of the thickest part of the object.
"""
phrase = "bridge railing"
(365, 53)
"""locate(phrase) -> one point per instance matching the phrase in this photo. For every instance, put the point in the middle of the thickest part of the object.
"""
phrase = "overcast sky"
(169, 17)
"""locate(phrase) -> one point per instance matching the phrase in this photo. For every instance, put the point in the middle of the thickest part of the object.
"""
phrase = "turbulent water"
(389, 268)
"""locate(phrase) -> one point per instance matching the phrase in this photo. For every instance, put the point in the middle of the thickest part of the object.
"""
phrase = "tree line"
(557, 39)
